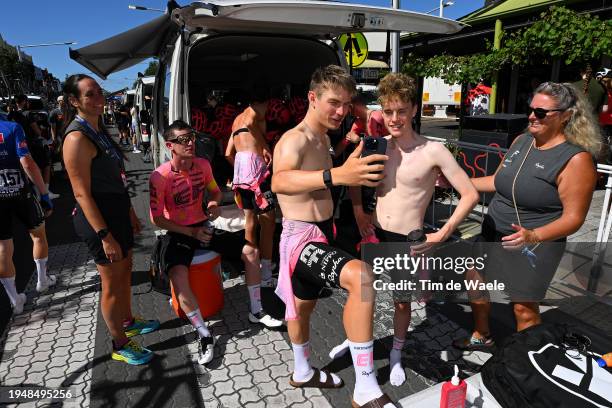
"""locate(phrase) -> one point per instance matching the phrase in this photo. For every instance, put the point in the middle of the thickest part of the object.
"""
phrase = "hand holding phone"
(372, 145)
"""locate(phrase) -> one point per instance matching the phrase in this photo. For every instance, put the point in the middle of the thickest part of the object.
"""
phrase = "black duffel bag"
(548, 365)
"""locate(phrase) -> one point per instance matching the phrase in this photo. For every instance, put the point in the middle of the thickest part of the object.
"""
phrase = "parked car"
(227, 45)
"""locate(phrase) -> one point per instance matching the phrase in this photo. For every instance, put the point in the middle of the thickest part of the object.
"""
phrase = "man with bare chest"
(309, 263)
(248, 151)
(406, 191)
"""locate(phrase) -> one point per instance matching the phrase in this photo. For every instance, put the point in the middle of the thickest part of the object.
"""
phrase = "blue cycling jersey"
(13, 146)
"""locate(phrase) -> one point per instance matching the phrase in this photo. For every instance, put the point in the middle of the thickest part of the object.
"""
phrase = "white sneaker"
(269, 283)
(265, 319)
(206, 350)
(44, 286)
(136, 150)
(53, 196)
(18, 306)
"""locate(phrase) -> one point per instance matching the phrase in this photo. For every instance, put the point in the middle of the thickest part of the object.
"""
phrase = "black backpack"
(159, 280)
(548, 365)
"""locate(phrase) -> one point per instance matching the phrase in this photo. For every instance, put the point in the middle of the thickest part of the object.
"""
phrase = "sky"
(86, 22)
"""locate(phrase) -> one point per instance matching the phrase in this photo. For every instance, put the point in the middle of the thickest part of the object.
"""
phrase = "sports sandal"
(474, 344)
(375, 403)
(315, 381)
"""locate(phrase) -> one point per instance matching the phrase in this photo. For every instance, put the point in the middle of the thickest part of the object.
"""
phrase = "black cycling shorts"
(318, 267)
(178, 249)
(115, 209)
(26, 209)
(248, 197)
(399, 296)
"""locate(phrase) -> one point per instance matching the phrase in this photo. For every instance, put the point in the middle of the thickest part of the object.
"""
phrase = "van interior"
(226, 67)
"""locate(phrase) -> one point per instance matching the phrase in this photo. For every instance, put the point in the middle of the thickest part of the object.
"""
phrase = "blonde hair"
(396, 85)
(332, 76)
(582, 128)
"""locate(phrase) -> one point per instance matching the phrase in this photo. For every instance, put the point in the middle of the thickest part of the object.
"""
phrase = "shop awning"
(370, 63)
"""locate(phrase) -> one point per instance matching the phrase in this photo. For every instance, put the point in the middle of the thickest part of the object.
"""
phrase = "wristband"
(44, 199)
(327, 179)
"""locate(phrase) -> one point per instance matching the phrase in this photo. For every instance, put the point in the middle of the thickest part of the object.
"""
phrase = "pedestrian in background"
(104, 217)
(17, 200)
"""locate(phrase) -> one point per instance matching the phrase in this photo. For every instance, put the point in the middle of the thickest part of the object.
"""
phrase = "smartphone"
(371, 145)
(374, 145)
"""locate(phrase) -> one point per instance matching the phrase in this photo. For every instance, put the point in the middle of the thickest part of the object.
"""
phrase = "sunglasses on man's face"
(541, 113)
(184, 139)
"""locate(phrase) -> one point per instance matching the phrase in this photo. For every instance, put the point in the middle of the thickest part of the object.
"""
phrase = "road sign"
(355, 48)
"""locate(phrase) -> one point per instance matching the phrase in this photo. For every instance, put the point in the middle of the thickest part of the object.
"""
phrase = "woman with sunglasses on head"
(543, 189)
(103, 217)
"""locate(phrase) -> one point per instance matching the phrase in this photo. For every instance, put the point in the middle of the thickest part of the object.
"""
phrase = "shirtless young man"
(252, 191)
(406, 191)
(302, 177)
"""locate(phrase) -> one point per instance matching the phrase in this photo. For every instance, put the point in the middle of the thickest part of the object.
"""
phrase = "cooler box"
(206, 284)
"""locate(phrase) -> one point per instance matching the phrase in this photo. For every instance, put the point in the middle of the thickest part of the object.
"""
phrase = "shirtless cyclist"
(251, 185)
(309, 262)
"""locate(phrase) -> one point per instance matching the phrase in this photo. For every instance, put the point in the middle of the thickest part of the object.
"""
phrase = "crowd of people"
(543, 189)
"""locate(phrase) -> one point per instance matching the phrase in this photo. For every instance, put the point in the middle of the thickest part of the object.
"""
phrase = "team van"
(210, 52)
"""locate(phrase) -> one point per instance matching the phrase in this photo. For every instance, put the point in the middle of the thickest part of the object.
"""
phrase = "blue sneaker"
(141, 326)
(133, 354)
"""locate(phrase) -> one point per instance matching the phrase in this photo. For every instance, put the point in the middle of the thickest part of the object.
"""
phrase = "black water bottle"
(416, 237)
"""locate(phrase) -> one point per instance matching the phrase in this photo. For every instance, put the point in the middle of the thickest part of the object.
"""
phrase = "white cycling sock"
(366, 385)
(255, 298)
(398, 375)
(197, 321)
(301, 358)
(10, 288)
(41, 269)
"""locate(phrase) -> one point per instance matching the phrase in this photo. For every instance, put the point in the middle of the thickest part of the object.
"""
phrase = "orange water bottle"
(453, 392)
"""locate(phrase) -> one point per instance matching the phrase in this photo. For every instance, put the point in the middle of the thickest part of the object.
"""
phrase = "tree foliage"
(559, 33)
(152, 68)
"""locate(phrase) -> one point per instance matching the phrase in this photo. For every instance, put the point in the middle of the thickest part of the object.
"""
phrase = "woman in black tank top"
(543, 190)
(103, 217)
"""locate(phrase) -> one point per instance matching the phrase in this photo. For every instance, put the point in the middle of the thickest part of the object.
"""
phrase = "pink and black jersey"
(178, 195)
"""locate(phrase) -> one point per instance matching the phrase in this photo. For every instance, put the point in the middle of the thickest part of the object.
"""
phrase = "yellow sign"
(355, 48)
(425, 96)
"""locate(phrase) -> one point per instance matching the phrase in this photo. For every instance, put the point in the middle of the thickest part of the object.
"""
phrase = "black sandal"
(375, 403)
(315, 381)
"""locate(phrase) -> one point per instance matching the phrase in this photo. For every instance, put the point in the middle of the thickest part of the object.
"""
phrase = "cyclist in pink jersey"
(176, 199)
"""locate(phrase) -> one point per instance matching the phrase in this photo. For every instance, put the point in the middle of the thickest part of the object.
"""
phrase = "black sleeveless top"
(536, 193)
(107, 166)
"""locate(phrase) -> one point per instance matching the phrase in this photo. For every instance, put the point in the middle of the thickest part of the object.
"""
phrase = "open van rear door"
(321, 19)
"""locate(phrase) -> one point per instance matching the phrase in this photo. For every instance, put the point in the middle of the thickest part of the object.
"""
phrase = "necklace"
(514, 196)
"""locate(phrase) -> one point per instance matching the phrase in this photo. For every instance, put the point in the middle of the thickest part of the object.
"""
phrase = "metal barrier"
(449, 199)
